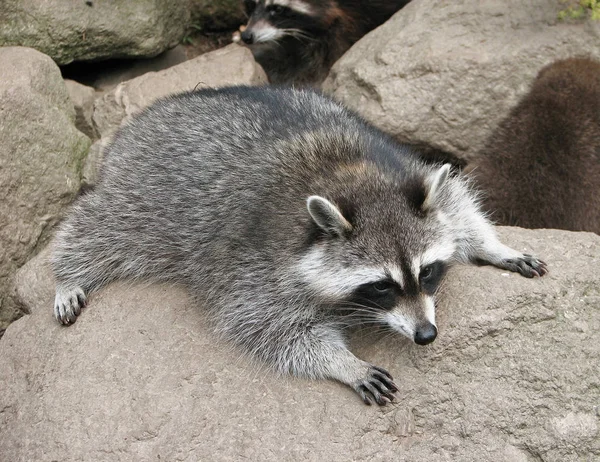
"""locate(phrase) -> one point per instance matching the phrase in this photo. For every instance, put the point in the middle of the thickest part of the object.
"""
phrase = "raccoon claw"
(377, 385)
(527, 266)
(68, 304)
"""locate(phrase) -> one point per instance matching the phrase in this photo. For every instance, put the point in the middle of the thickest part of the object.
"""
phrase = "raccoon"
(289, 217)
(297, 41)
(541, 167)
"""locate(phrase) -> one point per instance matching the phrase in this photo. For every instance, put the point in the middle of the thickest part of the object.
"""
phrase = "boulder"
(232, 65)
(89, 30)
(444, 74)
(41, 156)
(512, 376)
(82, 97)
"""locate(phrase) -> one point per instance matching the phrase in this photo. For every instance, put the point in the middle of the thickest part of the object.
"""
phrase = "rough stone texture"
(93, 161)
(513, 376)
(41, 155)
(82, 97)
(85, 30)
(231, 65)
(444, 74)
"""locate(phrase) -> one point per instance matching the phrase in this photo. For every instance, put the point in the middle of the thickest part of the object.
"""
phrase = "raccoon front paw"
(527, 266)
(68, 304)
(378, 384)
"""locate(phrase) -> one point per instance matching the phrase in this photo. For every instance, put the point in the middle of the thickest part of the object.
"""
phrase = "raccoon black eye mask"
(284, 214)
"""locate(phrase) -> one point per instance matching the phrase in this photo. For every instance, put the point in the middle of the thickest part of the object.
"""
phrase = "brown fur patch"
(346, 21)
(352, 169)
(541, 167)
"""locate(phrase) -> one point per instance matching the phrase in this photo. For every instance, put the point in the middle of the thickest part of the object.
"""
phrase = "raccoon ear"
(433, 185)
(327, 216)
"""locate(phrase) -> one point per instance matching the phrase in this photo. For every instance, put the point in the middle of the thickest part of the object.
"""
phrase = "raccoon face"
(273, 20)
(382, 264)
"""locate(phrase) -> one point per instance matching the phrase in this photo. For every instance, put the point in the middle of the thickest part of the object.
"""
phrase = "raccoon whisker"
(360, 315)
(377, 308)
(298, 33)
(347, 312)
(388, 333)
(353, 306)
(360, 319)
(440, 287)
(347, 303)
(272, 44)
(348, 309)
(360, 322)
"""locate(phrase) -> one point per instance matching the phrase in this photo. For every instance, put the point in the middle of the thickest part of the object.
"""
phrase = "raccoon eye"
(431, 276)
(426, 273)
(382, 286)
(380, 295)
(276, 10)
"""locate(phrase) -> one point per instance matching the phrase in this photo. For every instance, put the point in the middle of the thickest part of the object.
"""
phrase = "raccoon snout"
(248, 37)
(425, 334)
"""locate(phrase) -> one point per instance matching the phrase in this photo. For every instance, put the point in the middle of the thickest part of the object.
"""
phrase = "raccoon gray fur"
(288, 217)
(541, 167)
(297, 41)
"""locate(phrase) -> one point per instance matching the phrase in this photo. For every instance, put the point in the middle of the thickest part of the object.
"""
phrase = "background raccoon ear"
(433, 185)
(327, 216)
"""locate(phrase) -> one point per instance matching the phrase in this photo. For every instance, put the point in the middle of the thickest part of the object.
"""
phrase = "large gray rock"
(444, 74)
(232, 65)
(41, 156)
(513, 376)
(85, 30)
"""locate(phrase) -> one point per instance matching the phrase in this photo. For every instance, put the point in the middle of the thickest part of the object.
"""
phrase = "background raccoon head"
(274, 20)
(379, 251)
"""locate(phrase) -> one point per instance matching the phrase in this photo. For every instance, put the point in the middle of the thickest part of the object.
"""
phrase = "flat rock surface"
(445, 73)
(512, 376)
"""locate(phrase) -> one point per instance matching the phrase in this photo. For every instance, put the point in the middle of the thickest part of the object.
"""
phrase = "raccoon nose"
(247, 37)
(425, 334)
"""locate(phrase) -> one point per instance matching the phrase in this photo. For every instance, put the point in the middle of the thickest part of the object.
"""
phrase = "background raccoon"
(297, 41)
(289, 217)
(541, 167)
